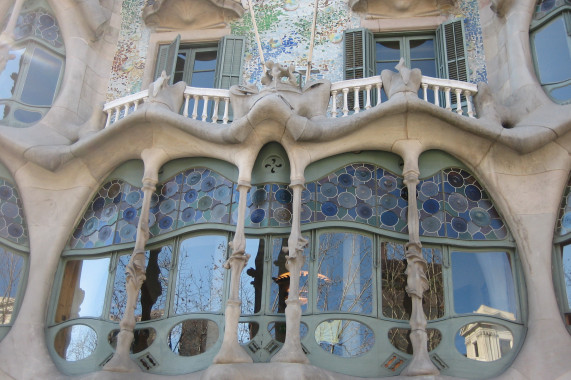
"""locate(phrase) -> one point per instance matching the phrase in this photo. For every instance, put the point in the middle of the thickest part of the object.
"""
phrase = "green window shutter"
(166, 59)
(359, 55)
(452, 59)
(230, 56)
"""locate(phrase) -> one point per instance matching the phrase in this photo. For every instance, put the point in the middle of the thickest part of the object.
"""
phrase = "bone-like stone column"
(417, 283)
(135, 271)
(231, 351)
(291, 351)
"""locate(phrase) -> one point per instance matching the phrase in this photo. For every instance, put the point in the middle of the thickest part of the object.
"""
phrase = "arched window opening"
(31, 79)
(550, 36)
(562, 257)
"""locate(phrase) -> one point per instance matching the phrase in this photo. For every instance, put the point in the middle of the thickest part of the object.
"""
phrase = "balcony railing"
(213, 105)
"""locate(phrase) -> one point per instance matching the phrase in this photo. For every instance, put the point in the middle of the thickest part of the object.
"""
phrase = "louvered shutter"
(359, 57)
(452, 60)
(230, 55)
(166, 59)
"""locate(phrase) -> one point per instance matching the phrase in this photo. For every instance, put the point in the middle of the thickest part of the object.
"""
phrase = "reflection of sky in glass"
(483, 279)
(552, 52)
(567, 272)
(93, 282)
(345, 273)
(42, 78)
(10, 271)
(200, 280)
(344, 338)
(82, 342)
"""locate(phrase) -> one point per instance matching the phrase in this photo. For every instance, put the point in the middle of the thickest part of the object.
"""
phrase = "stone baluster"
(368, 102)
(231, 351)
(379, 87)
(458, 101)
(345, 103)
(425, 91)
(334, 103)
(291, 351)
(186, 101)
(205, 107)
(226, 106)
(437, 96)
(417, 282)
(468, 96)
(356, 106)
(215, 112)
(448, 99)
(135, 276)
(109, 113)
(195, 108)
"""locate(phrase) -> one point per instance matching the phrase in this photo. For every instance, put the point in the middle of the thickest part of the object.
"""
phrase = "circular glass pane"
(77, 342)
(142, 340)
(400, 338)
(344, 338)
(192, 337)
(484, 341)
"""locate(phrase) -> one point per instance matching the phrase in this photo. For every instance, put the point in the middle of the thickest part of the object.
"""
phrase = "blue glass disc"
(329, 209)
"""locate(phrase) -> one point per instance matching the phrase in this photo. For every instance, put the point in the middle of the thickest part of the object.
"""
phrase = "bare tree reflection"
(10, 272)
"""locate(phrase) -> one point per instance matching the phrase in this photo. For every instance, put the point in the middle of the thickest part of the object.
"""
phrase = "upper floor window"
(32, 76)
(550, 43)
(562, 257)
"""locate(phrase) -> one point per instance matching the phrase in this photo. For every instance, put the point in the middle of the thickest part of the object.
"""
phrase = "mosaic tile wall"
(129, 61)
(285, 31)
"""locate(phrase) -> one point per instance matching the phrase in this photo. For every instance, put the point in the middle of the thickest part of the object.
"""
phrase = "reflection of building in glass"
(487, 341)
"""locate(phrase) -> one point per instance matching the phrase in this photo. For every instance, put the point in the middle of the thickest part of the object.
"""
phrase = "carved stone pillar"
(417, 283)
(291, 352)
(135, 271)
(231, 351)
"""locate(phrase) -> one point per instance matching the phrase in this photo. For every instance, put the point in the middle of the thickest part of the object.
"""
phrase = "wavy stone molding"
(191, 14)
(401, 8)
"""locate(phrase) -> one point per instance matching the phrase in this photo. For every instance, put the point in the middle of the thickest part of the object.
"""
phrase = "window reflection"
(400, 338)
(192, 337)
(11, 268)
(483, 284)
(252, 277)
(344, 273)
(200, 278)
(152, 297)
(567, 272)
(281, 277)
(247, 331)
(83, 288)
(484, 341)
(344, 338)
(76, 342)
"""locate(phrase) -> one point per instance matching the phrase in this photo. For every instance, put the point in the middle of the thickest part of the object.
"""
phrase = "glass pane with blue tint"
(76, 342)
(27, 117)
(205, 60)
(279, 290)
(42, 78)
(484, 341)
(83, 287)
(421, 48)
(561, 93)
(552, 52)
(567, 272)
(9, 76)
(252, 277)
(484, 284)
(181, 59)
(153, 294)
(204, 79)
(344, 338)
(344, 273)
(388, 51)
(200, 279)
(427, 66)
(11, 271)
(247, 331)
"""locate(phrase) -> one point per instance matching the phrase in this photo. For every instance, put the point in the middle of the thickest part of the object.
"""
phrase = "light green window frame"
(561, 267)
(33, 53)
(559, 90)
